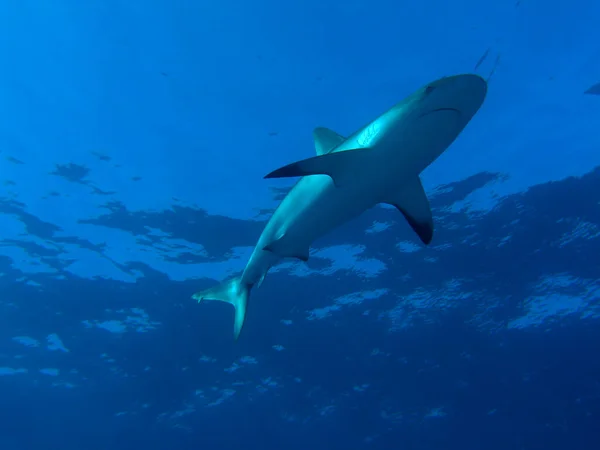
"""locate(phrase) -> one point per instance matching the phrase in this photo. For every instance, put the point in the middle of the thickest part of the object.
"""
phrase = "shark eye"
(429, 89)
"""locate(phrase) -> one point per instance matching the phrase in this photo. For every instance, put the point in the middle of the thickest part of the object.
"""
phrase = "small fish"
(101, 156)
(594, 90)
(481, 60)
(14, 160)
(494, 68)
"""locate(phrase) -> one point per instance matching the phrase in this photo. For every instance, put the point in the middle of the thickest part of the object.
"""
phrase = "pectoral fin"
(340, 166)
(412, 202)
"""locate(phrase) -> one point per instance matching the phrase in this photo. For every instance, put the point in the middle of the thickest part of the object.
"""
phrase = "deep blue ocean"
(134, 138)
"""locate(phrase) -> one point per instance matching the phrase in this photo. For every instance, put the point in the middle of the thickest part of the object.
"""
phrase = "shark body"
(379, 163)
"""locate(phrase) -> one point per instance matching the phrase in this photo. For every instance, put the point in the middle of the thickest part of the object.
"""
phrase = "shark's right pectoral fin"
(340, 166)
(412, 202)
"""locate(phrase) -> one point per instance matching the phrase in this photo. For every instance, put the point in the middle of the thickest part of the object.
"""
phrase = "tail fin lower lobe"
(233, 292)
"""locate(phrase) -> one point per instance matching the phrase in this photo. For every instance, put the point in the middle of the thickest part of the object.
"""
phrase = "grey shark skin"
(379, 163)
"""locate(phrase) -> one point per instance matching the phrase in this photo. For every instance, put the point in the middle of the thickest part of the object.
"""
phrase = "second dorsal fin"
(326, 140)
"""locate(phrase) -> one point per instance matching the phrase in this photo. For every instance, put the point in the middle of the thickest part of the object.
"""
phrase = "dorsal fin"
(326, 140)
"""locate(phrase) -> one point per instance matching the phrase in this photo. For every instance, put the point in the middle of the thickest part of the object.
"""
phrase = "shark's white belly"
(316, 206)
(313, 208)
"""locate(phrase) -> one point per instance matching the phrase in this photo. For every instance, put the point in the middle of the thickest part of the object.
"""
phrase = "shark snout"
(461, 93)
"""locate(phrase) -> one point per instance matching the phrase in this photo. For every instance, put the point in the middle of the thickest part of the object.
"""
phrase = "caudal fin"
(234, 292)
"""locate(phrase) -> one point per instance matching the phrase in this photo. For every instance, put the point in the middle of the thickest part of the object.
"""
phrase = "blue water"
(133, 141)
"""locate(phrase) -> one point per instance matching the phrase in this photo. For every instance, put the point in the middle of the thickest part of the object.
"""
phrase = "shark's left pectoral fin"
(340, 166)
(412, 202)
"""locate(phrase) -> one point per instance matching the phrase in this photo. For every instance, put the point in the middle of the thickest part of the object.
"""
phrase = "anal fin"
(261, 279)
(412, 202)
(282, 248)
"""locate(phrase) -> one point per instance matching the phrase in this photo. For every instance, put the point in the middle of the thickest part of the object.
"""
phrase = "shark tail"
(233, 292)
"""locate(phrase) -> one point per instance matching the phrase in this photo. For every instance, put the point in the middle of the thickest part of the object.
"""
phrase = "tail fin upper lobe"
(234, 292)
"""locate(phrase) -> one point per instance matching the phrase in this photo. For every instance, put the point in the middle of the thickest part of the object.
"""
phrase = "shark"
(380, 163)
